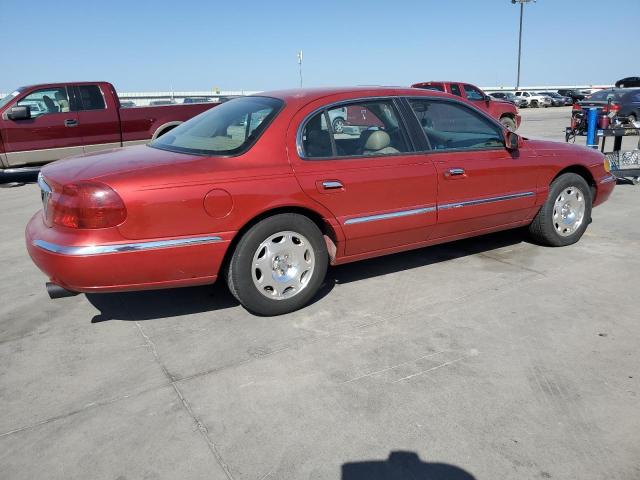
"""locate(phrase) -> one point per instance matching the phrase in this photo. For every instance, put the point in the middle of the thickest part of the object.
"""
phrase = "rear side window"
(455, 89)
(452, 126)
(229, 129)
(368, 128)
(91, 97)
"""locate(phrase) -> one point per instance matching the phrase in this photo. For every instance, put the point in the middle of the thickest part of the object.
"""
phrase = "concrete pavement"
(490, 358)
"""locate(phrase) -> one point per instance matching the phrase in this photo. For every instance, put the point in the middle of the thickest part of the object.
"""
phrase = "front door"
(481, 184)
(51, 132)
(476, 97)
(381, 192)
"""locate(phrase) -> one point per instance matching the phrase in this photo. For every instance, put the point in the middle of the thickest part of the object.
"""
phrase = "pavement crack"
(445, 364)
(204, 432)
(391, 367)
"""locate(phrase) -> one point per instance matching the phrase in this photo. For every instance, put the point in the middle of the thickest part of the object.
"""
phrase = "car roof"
(307, 95)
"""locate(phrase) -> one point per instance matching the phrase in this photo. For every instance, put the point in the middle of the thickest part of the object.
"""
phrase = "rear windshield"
(608, 94)
(228, 129)
(434, 86)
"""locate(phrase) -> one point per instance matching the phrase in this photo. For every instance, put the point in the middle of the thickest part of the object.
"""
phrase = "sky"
(186, 45)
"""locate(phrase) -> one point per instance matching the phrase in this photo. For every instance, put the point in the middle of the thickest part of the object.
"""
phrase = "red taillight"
(615, 108)
(576, 107)
(87, 205)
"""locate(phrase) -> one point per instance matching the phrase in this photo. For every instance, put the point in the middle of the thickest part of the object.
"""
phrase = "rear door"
(51, 132)
(481, 184)
(379, 189)
(98, 118)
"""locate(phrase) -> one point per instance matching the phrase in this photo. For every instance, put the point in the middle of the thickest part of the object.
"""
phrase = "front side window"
(46, 101)
(473, 93)
(452, 126)
(355, 129)
(91, 97)
(228, 129)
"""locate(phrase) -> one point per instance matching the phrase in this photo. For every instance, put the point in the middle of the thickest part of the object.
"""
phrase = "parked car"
(127, 104)
(268, 206)
(626, 101)
(575, 95)
(509, 97)
(42, 123)
(502, 110)
(557, 99)
(197, 100)
(535, 100)
(628, 82)
(156, 103)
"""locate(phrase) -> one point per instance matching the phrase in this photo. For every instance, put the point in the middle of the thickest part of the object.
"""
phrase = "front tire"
(338, 125)
(278, 265)
(566, 213)
(534, 104)
(509, 123)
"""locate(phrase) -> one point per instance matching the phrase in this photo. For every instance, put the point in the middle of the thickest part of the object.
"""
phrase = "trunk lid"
(115, 161)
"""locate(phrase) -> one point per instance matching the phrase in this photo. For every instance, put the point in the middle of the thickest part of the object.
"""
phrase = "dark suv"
(575, 95)
(628, 82)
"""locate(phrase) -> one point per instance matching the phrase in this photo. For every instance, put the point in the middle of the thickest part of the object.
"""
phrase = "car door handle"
(332, 185)
(70, 123)
(455, 172)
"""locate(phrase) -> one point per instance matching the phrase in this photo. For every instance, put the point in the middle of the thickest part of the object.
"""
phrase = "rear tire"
(534, 104)
(566, 213)
(278, 265)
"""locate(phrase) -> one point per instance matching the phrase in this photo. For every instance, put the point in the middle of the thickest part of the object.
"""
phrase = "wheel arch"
(584, 173)
(164, 128)
(327, 230)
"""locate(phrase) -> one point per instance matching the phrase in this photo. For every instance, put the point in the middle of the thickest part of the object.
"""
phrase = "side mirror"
(19, 113)
(487, 98)
(511, 140)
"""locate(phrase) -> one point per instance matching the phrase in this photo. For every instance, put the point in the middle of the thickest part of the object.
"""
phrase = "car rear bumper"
(122, 266)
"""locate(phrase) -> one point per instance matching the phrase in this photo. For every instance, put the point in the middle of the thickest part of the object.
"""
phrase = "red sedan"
(262, 191)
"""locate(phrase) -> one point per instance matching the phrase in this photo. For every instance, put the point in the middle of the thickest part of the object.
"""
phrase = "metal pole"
(520, 45)
(300, 66)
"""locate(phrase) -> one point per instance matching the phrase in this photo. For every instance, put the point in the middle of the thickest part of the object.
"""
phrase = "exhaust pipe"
(56, 291)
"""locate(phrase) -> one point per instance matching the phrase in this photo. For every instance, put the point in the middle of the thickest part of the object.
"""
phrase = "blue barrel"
(592, 125)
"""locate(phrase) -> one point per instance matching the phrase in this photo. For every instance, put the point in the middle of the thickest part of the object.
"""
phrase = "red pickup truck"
(42, 123)
(506, 112)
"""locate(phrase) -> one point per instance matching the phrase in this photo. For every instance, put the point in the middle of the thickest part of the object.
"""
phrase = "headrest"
(378, 140)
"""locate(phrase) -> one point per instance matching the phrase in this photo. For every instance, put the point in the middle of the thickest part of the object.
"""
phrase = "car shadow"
(402, 465)
(17, 179)
(156, 304)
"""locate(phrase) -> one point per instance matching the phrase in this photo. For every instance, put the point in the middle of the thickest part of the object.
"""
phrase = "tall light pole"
(300, 66)
(521, 2)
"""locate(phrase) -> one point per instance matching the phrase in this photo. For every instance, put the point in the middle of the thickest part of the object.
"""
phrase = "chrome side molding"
(122, 247)
(385, 216)
(480, 201)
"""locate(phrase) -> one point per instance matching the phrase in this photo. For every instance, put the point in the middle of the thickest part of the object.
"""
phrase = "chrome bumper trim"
(608, 179)
(386, 216)
(481, 201)
(122, 247)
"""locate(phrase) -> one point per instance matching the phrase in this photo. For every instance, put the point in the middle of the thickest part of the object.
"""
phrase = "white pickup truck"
(535, 100)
